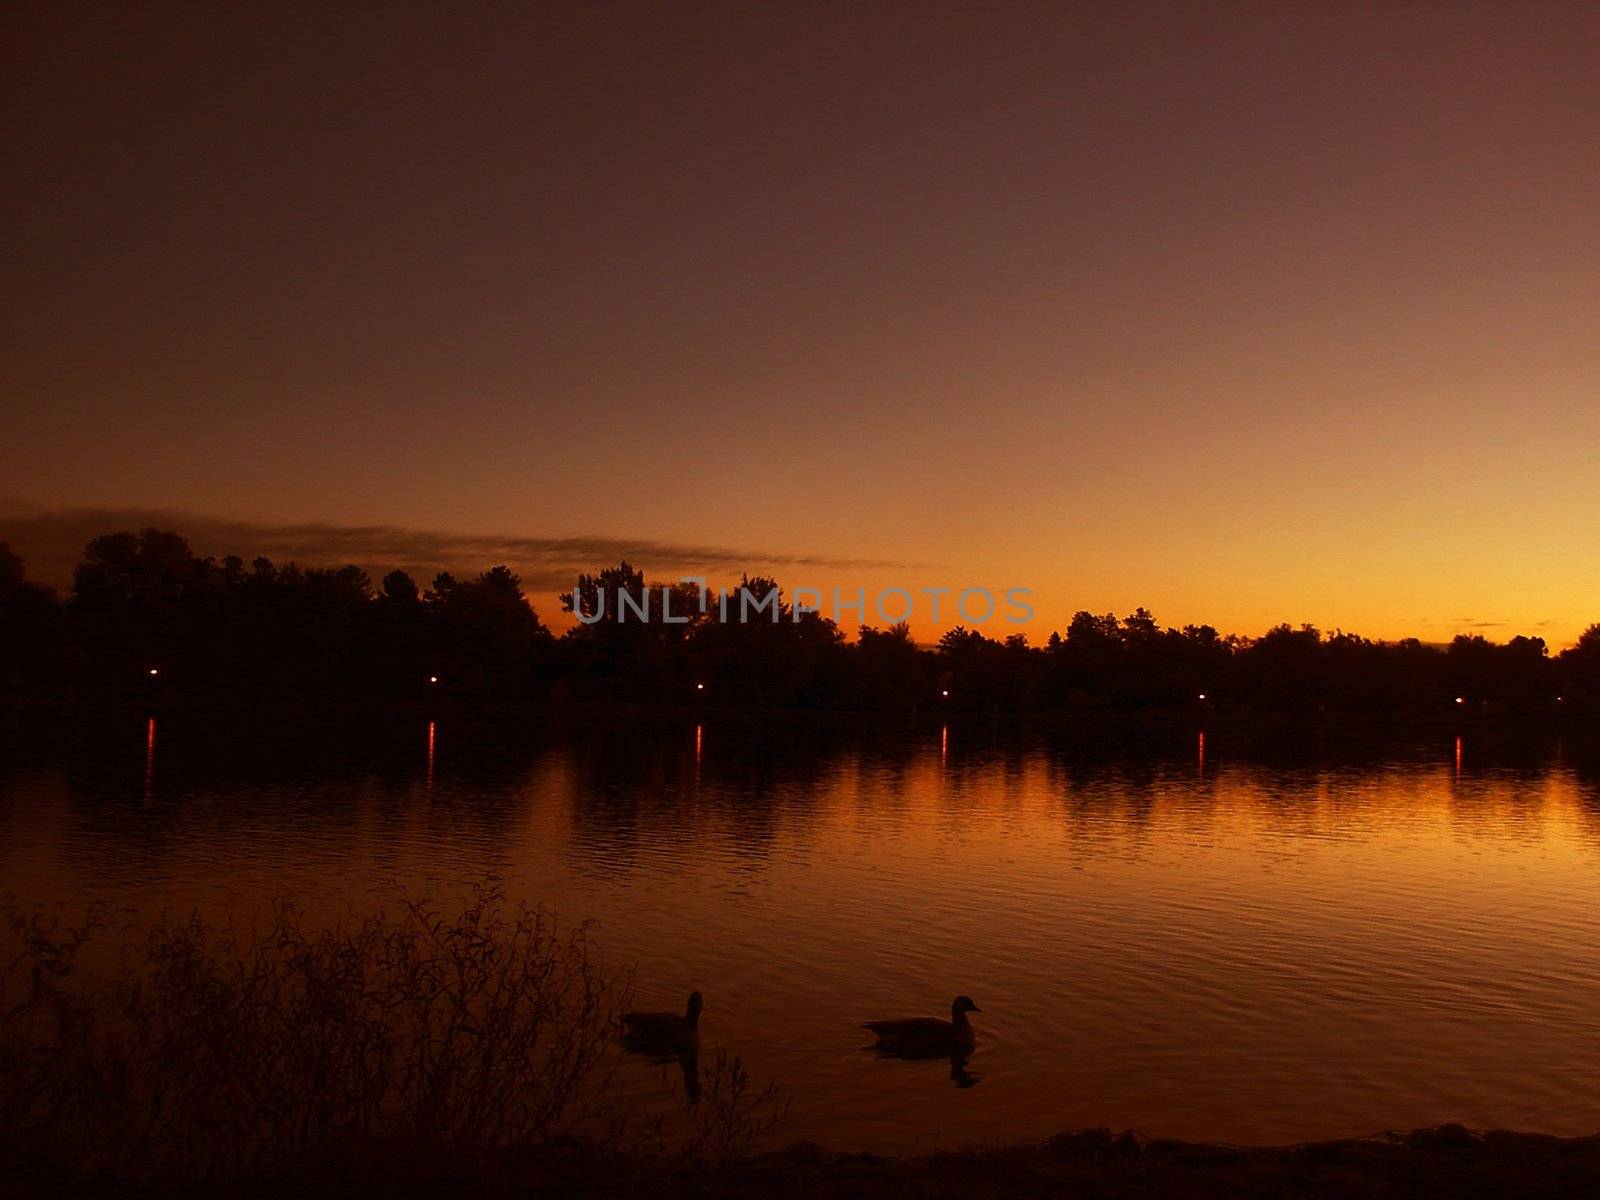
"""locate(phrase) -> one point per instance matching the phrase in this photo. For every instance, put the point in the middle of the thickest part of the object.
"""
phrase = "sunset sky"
(1243, 313)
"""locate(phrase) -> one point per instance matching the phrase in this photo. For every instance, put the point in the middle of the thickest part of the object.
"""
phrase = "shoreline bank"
(1447, 1160)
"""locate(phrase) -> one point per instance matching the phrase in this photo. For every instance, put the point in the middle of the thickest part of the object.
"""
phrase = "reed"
(731, 1114)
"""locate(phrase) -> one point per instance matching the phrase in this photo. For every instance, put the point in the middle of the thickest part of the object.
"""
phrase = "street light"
(154, 671)
(433, 679)
(1202, 695)
(1461, 699)
(699, 687)
(945, 693)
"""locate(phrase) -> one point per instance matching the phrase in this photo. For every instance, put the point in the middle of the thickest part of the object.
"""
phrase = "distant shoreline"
(1154, 720)
(1105, 717)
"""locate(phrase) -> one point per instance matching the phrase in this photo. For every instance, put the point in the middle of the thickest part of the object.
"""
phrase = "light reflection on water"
(1175, 937)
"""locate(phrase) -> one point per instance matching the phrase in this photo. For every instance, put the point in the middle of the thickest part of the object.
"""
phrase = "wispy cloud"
(51, 541)
(1475, 623)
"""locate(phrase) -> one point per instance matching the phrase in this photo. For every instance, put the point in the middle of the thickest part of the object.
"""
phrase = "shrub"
(730, 1114)
(211, 1051)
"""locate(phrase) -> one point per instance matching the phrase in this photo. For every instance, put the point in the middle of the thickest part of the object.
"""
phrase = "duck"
(928, 1037)
(665, 1032)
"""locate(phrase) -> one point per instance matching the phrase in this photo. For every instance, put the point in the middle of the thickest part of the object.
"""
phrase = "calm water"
(1192, 940)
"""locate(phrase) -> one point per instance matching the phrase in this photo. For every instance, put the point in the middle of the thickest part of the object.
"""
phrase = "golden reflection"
(1458, 756)
(149, 756)
(1200, 764)
(431, 736)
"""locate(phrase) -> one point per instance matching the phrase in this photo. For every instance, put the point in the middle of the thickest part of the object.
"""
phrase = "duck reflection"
(689, 1064)
(959, 1075)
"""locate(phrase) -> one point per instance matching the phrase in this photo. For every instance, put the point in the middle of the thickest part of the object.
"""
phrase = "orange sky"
(1244, 313)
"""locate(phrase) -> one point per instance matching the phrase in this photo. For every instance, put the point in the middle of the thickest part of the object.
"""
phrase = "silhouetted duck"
(928, 1037)
(664, 1032)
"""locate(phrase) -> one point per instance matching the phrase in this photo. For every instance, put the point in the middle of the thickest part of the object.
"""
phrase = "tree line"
(146, 615)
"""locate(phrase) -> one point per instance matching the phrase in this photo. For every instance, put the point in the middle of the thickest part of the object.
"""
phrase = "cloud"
(51, 541)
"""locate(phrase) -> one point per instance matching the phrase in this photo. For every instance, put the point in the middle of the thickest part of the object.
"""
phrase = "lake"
(1203, 934)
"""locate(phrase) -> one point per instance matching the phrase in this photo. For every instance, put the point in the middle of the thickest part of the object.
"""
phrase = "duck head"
(962, 1006)
(691, 1016)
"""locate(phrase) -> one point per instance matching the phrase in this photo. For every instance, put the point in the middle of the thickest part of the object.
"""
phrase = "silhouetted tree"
(769, 657)
(30, 631)
(127, 616)
(1579, 672)
(491, 642)
(890, 671)
(400, 588)
(623, 647)
(1282, 669)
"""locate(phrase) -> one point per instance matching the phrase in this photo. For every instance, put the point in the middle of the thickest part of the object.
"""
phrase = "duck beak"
(974, 1008)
